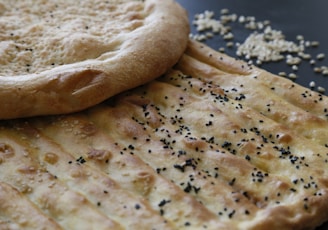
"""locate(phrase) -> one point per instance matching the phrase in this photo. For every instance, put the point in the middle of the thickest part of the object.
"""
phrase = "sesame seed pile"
(263, 44)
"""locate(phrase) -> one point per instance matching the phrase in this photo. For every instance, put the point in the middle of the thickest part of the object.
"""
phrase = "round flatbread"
(64, 56)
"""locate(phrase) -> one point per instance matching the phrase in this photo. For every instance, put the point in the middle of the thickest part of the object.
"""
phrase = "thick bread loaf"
(64, 56)
(212, 144)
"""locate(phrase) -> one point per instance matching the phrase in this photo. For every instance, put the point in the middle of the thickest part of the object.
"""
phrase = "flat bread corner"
(61, 57)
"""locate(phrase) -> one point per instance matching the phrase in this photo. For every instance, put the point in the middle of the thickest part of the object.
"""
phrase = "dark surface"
(302, 17)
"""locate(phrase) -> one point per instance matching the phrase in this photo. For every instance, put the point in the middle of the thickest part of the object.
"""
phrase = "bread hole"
(6, 150)
(77, 172)
(27, 170)
(144, 182)
(89, 129)
(284, 138)
(100, 155)
(51, 158)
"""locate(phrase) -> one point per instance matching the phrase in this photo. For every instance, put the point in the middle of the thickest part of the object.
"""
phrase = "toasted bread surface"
(212, 144)
(64, 56)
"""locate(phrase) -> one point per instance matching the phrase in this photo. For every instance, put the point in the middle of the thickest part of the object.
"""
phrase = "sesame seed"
(295, 67)
(314, 43)
(320, 56)
(312, 84)
(321, 89)
(282, 74)
(224, 11)
(299, 37)
(317, 69)
(292, 76)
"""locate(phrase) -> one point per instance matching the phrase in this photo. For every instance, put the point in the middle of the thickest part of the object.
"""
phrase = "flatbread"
(212, 144)
(64, 56)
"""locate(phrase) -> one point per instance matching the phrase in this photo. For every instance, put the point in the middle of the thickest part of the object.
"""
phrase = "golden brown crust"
(21, 211)
(140, 44)
(199, 148)
(280, 99)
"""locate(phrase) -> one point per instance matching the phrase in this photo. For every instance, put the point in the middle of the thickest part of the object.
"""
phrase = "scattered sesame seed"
(224, 11)
(321, 89)
(317, 69)
(320, 56)
(292, 76)
(282, 74)
(295, 67)
(312, 84)
(325, 72)
(299, 37)
(312, 62)
(228, 36)
(230, 44)
(265, 44)
(314, 43)
(293, 60)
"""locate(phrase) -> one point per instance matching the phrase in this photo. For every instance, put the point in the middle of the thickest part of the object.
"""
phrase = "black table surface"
(302, 17)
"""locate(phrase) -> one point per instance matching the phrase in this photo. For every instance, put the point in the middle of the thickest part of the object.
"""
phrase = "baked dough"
(64, 56)
(212, 144)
